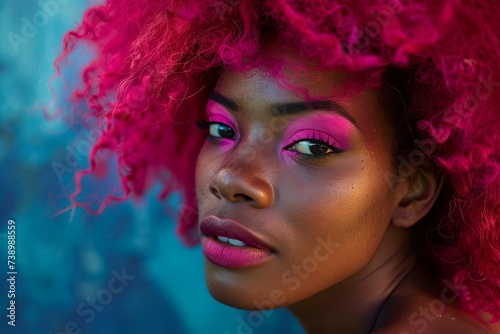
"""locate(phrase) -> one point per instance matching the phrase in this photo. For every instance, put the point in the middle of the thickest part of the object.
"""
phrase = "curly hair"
(155, 62)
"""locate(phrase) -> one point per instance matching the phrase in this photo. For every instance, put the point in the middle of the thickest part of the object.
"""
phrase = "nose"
(243, 185)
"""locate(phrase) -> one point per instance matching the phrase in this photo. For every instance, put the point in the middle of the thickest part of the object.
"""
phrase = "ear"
(423, 188)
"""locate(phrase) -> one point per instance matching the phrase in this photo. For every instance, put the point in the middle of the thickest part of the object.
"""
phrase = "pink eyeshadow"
(219, 114)
(336, 126)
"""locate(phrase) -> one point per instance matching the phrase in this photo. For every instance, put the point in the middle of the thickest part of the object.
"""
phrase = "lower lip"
(229, 256)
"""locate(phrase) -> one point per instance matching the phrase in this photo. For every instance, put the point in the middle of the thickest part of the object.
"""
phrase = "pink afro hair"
(155, 62)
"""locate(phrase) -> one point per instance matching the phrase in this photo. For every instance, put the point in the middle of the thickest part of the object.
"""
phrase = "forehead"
(278, 71)
(280, 74)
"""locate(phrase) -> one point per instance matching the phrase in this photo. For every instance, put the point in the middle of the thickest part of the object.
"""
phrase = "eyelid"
(216, 109)
(310, 134)
(334, 126)
(215, 118)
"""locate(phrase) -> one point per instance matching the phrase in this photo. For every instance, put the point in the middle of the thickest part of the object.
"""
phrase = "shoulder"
(421, 313)
(438, 327)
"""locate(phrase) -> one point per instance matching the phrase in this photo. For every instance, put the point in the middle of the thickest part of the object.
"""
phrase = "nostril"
(215, 192)
(242, 197)
(232, 197)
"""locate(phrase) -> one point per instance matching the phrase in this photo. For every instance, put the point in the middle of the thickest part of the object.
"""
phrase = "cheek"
(351, 201)
(353, 218)
(349, 213)
(203, 174)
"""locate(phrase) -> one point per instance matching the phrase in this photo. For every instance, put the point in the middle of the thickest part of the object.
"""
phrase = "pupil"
(225, 131)
(316, 148)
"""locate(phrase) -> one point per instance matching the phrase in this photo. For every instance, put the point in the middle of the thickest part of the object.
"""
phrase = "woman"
(336, 158)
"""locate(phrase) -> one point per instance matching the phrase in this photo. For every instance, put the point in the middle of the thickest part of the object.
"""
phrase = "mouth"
(228, 244)
(234, 242)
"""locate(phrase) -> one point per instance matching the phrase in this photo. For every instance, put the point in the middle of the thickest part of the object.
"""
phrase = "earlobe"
(423, 190)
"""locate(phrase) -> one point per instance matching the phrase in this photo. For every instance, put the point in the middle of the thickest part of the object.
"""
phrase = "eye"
(313, 144)
(312, 147)
(220, 130)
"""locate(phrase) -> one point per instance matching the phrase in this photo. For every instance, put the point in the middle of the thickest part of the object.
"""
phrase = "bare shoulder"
(421, 313)
(438, 327)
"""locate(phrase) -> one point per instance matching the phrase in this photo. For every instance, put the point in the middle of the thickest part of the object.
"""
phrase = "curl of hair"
(155, 62)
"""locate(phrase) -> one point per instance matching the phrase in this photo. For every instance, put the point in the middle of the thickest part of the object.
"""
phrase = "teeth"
(234, 242)
(223, 239)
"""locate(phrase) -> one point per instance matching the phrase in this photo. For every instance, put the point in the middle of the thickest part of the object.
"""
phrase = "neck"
(352, 305)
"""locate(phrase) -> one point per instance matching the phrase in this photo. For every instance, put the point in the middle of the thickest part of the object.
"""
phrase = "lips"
(228, 244)
(225, 228)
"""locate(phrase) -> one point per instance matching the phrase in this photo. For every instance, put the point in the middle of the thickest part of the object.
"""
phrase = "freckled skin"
(290, 202)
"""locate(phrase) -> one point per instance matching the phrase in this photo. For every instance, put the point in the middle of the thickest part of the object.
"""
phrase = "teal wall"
(67, 266)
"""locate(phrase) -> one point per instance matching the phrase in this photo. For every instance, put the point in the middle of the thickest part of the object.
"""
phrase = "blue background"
(65, 262)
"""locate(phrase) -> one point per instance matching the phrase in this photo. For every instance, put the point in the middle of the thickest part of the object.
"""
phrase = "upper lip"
(213, 226)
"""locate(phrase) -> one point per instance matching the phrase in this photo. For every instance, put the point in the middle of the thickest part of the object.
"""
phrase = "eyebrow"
(221, 99)
(290, 108)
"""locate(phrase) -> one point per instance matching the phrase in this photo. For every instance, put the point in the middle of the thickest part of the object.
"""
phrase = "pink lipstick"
(228, 244)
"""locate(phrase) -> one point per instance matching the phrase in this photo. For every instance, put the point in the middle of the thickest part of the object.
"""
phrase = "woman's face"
(292, 196)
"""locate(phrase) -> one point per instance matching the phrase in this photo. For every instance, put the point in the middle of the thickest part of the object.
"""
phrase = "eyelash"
(318, 137)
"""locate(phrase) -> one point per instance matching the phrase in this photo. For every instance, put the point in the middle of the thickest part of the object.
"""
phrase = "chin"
(243, 288)
(239, 298)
